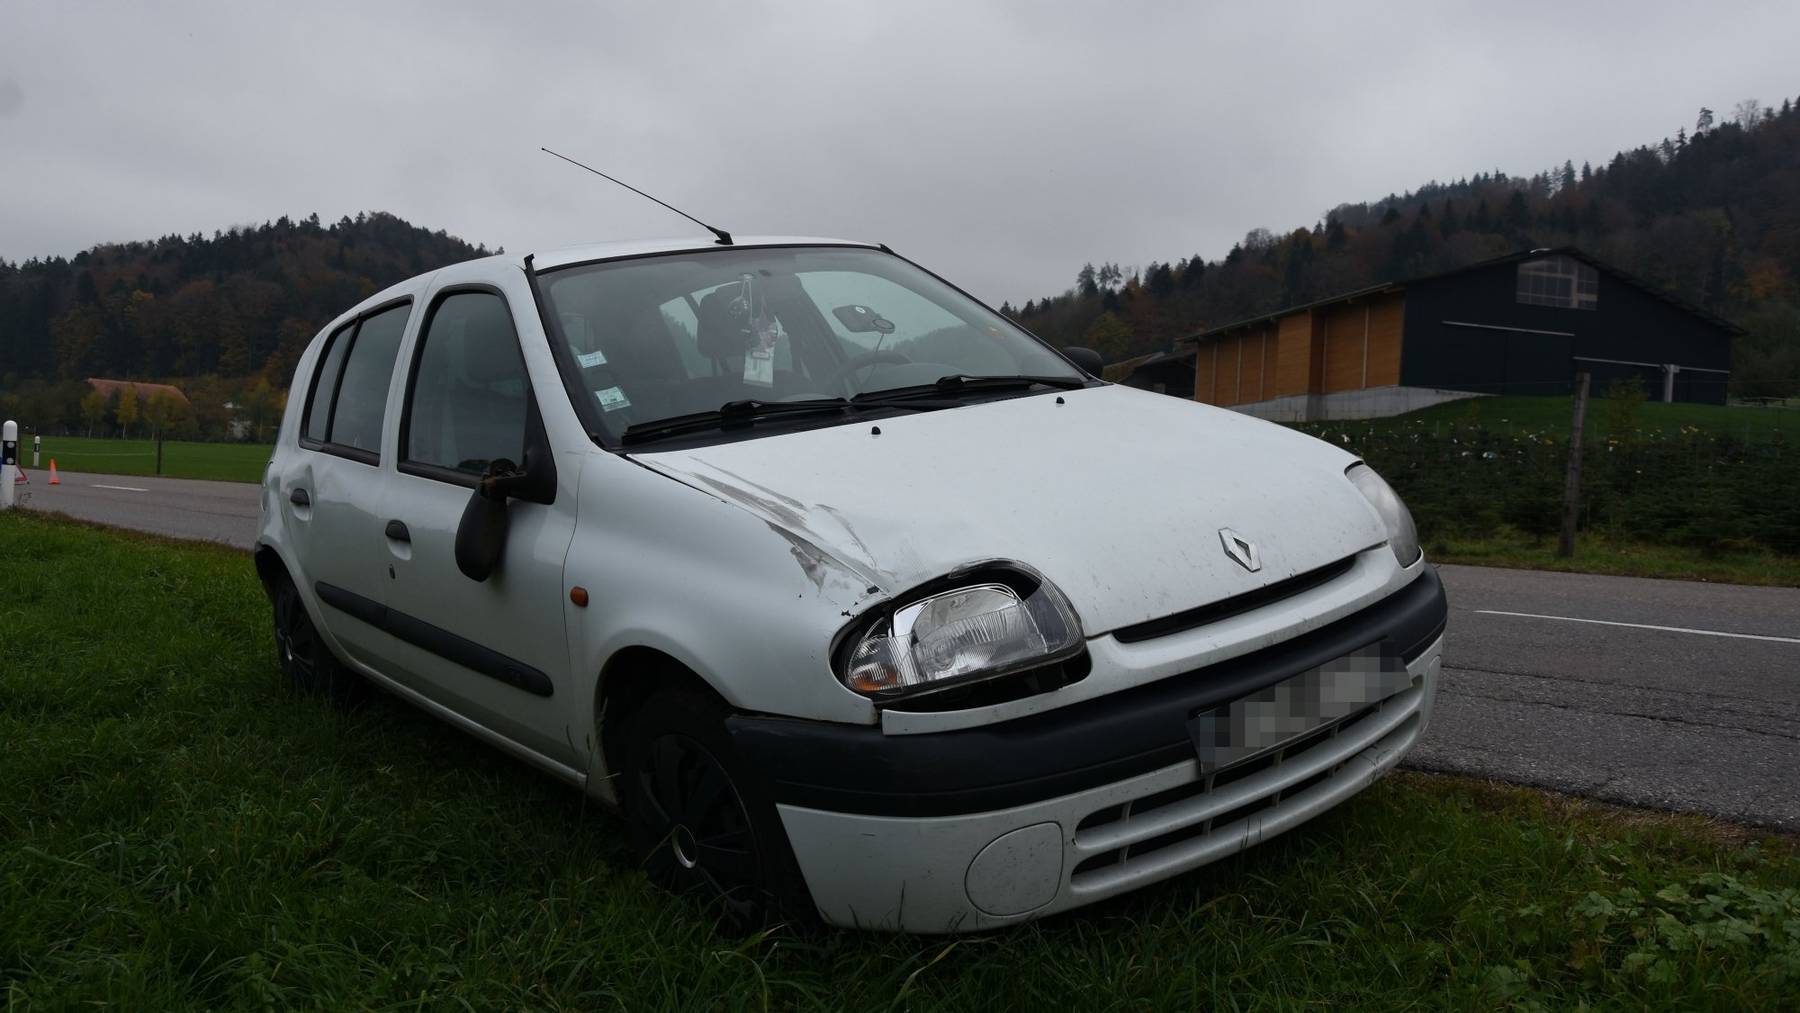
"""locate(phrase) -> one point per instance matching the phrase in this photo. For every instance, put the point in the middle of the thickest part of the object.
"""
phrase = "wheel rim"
(693, 814)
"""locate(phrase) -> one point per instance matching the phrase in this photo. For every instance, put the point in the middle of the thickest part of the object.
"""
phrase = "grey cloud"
(1002, 145)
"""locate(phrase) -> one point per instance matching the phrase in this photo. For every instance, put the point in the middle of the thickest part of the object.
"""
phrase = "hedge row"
(1706, 490)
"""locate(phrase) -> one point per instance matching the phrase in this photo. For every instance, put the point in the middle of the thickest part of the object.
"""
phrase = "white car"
(854, 596)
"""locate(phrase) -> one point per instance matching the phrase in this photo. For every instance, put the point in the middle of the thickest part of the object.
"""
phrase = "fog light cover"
(974, 632)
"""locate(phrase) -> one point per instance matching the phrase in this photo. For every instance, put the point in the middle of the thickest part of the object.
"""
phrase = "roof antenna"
(724, 237)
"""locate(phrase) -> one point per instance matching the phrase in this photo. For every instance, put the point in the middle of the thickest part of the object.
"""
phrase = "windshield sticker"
(589, 360)
(612, 399)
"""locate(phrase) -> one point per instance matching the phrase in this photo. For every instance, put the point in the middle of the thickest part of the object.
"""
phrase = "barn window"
(1563, 282)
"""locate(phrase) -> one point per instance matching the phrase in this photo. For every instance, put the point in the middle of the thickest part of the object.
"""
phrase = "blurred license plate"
(1291, 708)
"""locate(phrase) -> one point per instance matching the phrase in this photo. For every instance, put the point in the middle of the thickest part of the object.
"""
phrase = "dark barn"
(1521, 324)
(1170, 373)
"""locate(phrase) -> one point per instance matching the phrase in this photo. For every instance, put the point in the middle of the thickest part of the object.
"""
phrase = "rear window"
(348, 402)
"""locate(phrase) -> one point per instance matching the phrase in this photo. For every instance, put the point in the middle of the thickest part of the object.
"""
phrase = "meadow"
(178, 830)
(227, 462)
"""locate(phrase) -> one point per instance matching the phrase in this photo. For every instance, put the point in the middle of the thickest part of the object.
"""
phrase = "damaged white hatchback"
(854, 596)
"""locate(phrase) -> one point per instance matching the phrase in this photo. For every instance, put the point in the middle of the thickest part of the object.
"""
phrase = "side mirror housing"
(481, 534)
(1086, 358)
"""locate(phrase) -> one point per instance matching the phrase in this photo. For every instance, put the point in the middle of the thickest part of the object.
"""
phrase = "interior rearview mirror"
(862, 320)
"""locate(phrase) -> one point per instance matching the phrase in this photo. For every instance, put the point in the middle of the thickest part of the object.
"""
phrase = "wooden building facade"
(1522, 324)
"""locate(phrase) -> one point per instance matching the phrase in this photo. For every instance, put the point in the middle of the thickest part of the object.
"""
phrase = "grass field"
(229, 462)
(1552, 415)
(178, 831)
(1597, 553)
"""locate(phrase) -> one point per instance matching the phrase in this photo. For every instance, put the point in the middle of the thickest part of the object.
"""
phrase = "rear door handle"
(397, 531)
(299, 498)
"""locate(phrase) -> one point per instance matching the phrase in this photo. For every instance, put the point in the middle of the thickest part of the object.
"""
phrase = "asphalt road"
(1701, 714)
(1679, 718)
(180, 508)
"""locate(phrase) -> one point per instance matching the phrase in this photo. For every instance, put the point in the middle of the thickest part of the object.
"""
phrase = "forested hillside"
(216, 313)
(1713, 217)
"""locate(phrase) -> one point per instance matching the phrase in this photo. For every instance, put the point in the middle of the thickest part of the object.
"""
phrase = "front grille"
(1235, 605)
(1214, 814)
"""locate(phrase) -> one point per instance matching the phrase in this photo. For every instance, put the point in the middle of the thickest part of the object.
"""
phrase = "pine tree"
(1447, 223)
(1194, 274)
(1335, 236)
(1518, 213)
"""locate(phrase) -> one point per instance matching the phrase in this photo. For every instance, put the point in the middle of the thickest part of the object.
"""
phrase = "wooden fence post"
(1565, 547)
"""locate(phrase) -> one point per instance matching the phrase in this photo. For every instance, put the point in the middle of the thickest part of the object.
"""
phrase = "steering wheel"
(862, 361)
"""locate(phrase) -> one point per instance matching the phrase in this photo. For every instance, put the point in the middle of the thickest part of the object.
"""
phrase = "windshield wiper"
(955, 384)
(730, 415)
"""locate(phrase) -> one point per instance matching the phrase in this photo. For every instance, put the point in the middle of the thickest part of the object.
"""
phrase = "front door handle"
(299, 498)
(397, 531)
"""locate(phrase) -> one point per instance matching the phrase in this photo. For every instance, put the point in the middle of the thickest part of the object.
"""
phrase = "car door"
(494, 650)
(333, 491)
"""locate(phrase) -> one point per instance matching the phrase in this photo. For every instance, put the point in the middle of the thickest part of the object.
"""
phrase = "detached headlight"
(977, 631)
(1403, 538)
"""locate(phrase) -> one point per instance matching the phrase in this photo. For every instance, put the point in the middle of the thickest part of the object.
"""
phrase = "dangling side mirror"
(481, 534)
(1086, 358)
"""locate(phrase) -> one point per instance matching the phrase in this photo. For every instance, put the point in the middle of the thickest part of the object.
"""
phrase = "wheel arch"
(627, 679)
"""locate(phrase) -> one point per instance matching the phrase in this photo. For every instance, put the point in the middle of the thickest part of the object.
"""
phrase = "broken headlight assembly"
(973, 627)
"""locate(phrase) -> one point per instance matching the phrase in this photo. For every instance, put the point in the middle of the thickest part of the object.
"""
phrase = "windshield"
(661, 337)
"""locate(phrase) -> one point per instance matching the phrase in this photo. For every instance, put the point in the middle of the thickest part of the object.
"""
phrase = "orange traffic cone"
(53, 479)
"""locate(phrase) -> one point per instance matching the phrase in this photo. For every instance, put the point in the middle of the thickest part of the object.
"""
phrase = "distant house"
(1520, 324)
(145, 391)
(1169, 373)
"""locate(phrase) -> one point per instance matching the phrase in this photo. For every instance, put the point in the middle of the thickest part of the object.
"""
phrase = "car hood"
(1114, 494)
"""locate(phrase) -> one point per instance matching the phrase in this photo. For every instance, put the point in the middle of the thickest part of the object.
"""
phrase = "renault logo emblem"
(1241, 550)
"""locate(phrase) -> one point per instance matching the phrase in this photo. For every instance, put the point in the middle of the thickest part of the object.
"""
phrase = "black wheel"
(699, 820)
(305, 660)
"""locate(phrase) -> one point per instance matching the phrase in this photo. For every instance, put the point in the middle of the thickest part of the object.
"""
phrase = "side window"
(362, 394)
(325, 381)
(468, 403)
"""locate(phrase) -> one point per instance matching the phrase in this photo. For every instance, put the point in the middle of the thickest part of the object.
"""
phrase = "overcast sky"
(1002, 145)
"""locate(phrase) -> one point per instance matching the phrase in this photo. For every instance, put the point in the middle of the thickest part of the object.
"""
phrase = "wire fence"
(1709, 490)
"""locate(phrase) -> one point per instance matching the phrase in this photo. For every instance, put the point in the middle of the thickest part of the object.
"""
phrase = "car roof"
(550, 259)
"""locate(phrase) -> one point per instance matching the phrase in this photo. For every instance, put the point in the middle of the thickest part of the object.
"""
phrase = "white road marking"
(121, 488)
(1642, 626)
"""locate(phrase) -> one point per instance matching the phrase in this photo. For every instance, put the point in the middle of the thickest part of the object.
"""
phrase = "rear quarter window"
(317, 424)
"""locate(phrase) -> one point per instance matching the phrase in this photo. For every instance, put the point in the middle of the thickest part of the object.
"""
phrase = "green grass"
(228, 462)
(1597, 553)
(178, 831)
(1553, 415)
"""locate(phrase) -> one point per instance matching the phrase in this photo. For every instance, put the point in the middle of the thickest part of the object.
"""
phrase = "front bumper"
(984, 826)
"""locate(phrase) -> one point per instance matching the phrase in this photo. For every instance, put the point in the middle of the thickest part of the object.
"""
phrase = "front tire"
(699, 819)
(306, 661)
